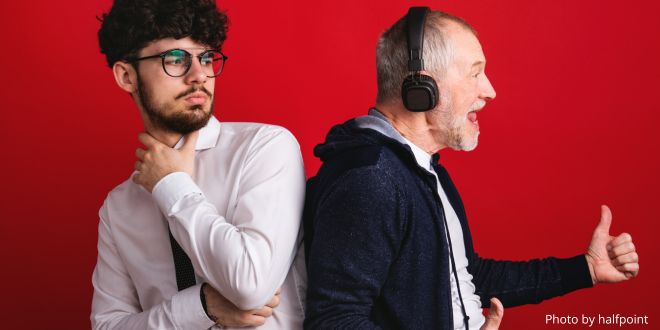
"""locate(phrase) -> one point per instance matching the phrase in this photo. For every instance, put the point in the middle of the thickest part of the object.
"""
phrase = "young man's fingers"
(274, 302)
(265, 311)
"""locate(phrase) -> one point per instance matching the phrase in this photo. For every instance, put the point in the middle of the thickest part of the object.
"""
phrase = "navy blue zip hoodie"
(376, 252)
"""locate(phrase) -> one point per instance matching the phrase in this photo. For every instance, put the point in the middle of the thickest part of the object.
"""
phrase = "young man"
(387, 239)
(206, 230)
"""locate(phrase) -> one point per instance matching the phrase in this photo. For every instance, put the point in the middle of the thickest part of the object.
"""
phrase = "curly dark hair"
(131, 25)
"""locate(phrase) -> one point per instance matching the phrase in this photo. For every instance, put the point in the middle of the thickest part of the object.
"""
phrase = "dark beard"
(180, 122)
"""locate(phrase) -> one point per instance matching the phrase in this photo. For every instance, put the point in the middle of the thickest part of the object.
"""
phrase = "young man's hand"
(226, 314)
(160, 160)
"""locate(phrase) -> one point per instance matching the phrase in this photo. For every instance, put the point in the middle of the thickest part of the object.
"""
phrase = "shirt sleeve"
(115, 304)
(248, 259)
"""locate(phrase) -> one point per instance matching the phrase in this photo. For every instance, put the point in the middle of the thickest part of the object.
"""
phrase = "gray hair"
(392, 53)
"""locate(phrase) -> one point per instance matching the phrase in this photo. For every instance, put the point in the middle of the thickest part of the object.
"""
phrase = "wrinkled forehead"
(466, 49)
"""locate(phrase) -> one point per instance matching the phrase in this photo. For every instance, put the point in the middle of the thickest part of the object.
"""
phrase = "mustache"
(478, 105)
(193, 90)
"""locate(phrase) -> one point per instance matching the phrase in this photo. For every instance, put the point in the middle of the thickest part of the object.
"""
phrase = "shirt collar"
(208, 136)
(422, 157)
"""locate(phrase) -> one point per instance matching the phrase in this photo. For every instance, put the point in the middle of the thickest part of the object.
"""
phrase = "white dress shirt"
(470, 299)
(238, 219)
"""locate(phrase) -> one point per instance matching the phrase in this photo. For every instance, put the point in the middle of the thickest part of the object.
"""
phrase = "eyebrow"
(478, 63)
(188, 49)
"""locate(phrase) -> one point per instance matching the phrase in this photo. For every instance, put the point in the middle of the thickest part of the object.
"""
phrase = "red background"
(573, 126)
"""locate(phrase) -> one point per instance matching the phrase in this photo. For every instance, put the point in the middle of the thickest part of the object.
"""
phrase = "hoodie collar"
(376, 121)
(379, 123)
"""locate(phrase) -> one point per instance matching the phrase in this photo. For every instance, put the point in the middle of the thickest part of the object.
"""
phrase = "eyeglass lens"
(177, 62)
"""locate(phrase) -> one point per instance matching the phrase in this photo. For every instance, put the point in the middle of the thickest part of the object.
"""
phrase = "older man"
(387, 239)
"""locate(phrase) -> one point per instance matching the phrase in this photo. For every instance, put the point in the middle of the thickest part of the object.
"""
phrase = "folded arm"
(245, 260)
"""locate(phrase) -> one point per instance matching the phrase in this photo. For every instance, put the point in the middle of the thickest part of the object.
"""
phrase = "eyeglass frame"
(199, 58)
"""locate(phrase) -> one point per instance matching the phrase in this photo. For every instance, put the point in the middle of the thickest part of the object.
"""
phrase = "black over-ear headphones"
(419, 91)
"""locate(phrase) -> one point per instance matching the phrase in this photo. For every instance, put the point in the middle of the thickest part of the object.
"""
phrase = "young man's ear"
(125, 76)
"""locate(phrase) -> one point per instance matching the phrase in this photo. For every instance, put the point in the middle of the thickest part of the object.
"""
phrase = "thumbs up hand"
(611, 259)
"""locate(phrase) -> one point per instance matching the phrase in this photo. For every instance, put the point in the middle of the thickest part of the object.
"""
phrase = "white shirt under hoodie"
(470, 299)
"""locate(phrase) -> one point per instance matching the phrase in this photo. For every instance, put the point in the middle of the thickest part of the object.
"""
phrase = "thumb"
(190, 141)
(605, 221)
(495, 314)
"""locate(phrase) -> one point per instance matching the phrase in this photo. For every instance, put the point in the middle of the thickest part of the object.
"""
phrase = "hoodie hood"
(358, 132)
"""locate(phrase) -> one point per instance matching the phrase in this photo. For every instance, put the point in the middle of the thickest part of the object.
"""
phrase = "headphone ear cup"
(419, 93)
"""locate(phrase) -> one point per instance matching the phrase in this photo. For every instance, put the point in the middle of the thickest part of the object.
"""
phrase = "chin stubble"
(179, 122)
(453, 127)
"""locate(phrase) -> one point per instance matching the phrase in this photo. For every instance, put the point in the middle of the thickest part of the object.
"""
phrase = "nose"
(195, 74)
(487, 90)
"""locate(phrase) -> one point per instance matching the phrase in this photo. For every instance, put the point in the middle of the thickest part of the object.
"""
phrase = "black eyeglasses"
(177, 62)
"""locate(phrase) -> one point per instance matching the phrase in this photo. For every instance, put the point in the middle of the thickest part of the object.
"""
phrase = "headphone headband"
(415, 21)
(419, 92)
